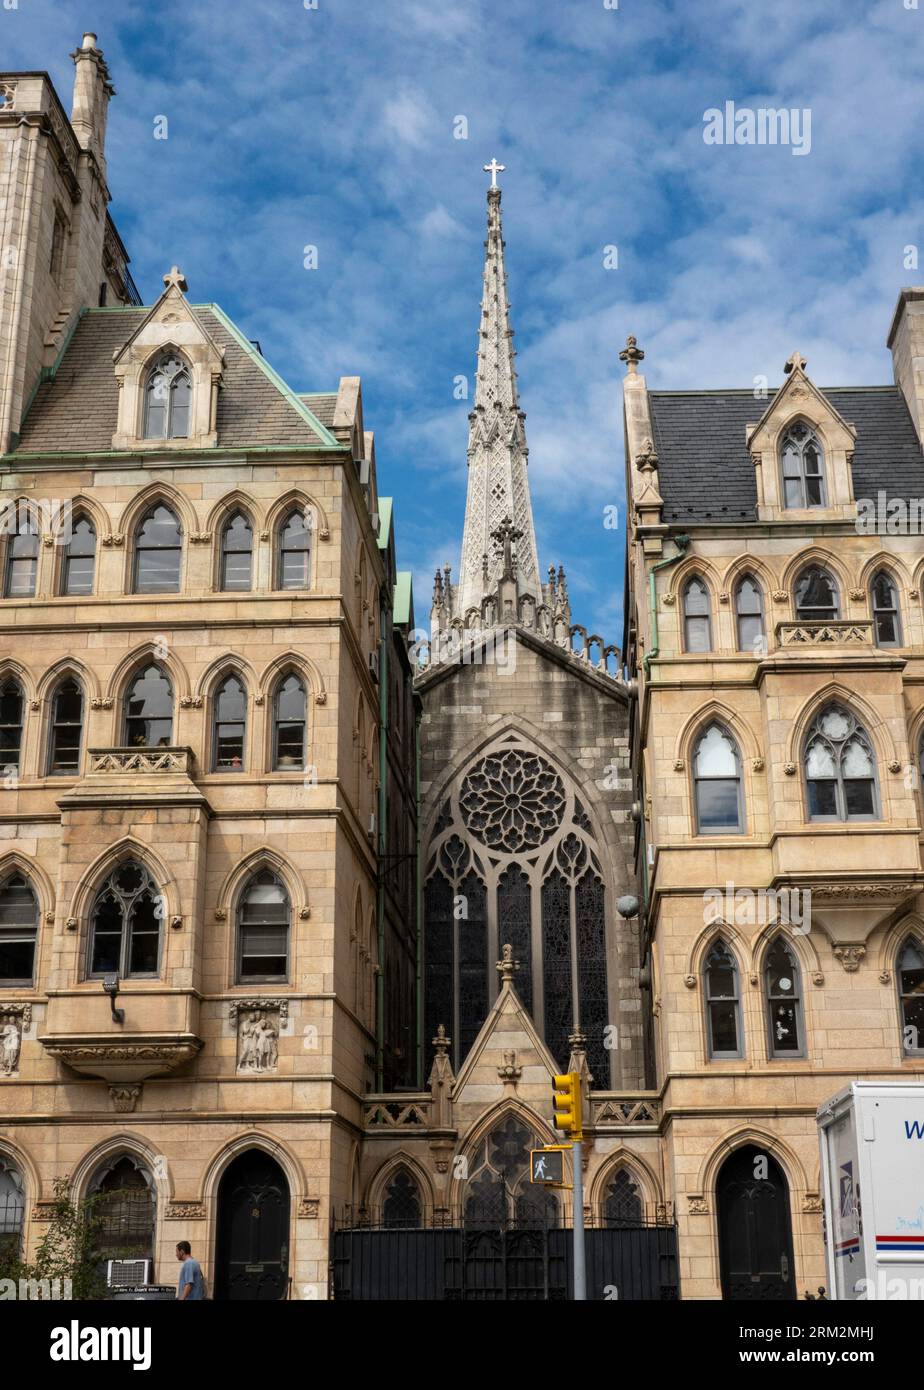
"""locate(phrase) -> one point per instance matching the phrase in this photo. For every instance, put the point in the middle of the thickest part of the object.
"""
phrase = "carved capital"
(113, 538)
(102, 703)
(690, 981)
(780, 595)
(698, 1206)
(679, 765)
(758, 764)
(850, 957)
(812, 1203)
(200, 537)
(124, 1098)
(790, 769)
(669, 600)
(191, 702)
(321, 697)
(309, 1207)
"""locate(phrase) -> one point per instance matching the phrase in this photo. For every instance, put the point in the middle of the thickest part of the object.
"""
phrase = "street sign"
(547, 1167)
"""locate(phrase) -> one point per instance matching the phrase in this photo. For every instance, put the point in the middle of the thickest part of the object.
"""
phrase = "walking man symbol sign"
(546, 1166)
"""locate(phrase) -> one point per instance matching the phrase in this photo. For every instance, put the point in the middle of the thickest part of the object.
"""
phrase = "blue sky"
(334, 127)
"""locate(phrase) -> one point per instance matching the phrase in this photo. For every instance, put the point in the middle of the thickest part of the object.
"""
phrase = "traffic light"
(566, 1103)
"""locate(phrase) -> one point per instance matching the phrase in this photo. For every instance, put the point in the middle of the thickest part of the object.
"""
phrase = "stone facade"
(201, 1058)
(702, 531)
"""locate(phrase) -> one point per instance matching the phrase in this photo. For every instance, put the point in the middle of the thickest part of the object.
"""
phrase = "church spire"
(498, 490)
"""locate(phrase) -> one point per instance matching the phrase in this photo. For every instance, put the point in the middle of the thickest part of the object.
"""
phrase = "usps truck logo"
(908, 1236)
(849, 1246)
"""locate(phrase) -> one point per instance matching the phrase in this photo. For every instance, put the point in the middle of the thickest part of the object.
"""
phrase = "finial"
(494, 169)
(507, 966)
(176, 279)
(631, 354)
(485, 573)
(795, 363)
(441, 1042)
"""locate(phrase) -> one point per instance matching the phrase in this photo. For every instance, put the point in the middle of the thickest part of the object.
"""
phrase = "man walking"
(190, 1284)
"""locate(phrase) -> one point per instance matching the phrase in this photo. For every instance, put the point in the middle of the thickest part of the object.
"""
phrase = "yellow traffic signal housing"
(566, 1103)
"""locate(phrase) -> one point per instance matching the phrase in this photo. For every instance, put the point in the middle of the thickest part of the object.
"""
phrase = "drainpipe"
(384, 644)
(418, 905)
(681, 542)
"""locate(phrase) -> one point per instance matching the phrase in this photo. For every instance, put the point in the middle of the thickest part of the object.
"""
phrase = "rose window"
(512, 801)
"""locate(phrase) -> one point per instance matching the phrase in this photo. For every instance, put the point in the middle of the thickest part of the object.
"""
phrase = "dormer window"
(802, 462)
(168, 398)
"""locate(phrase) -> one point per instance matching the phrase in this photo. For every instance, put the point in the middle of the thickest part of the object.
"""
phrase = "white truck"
(872, 1173)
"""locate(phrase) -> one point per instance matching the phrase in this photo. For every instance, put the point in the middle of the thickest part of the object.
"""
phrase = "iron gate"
(501, 1263)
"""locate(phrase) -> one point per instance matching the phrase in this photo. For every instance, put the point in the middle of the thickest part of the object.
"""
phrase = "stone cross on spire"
(176, 278)
(497, 451)
(494, 169)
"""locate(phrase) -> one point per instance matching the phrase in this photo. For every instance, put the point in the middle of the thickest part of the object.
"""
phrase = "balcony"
(841, 632)
(139, 760)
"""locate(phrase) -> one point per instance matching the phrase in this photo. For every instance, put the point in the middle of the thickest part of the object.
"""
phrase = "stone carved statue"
(10, 1043)
(258, 1041)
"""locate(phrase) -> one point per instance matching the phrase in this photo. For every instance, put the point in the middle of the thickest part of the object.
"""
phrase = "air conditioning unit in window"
(121, 1274)
(374, 666)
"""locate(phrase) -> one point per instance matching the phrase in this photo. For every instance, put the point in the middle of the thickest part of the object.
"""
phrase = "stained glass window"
(556, 965)
(473, 962)
(622, 1205)
(591, 947)
(514, 897)
(402, 1201)
(439, 996)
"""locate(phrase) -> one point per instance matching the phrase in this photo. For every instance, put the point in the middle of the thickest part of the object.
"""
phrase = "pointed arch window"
(293, 563)
(840, 768)
(158, 552)
(514, 863)
(149, 710)
(21, 558)
(237, 554)
(263, 924)
(79, 561)
(697, 620)
(723, 1003)
(817, 598)
(717, 783)
(125, 1210)
(18, 930)
(910, 980)
(622, 1204)
(66, 729)
(290, 715)
(782, 993)
(125, 925)
(402, 1206)
(167, 398)
(11, 714)
(802, 463)
(887, 624)
(12, 1211)
(749, 616)
(229, 726)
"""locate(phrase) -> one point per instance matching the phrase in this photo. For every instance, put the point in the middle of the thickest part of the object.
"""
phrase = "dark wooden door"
(755, 1232)
(252, 1259)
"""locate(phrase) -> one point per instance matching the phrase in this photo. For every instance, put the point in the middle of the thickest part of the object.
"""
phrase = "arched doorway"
(252, 1256)
(755, 1232)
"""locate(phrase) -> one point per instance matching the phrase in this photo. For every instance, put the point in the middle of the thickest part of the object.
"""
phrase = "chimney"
(92, 90)
(906, 340)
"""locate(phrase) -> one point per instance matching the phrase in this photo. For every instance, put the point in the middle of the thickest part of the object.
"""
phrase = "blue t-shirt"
(190, 1273)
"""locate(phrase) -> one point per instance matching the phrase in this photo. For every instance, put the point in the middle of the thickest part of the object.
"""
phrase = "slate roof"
(321, 405)
(706, 474)
(75, 412)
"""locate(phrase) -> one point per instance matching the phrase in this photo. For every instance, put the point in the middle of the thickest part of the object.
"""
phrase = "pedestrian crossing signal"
(547, 1166)
(566, 1103)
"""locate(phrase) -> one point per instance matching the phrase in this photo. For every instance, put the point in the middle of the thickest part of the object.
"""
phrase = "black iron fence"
(505, 1262)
